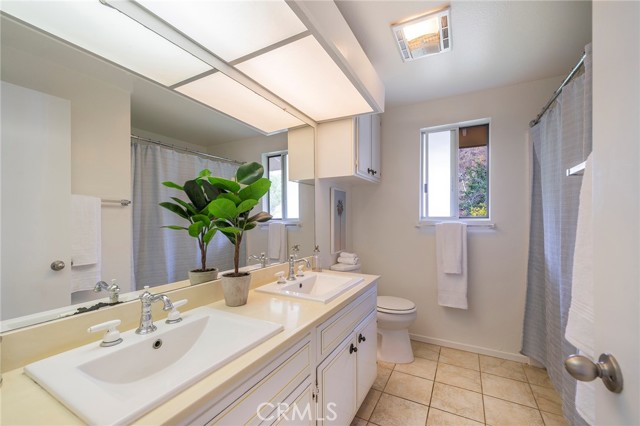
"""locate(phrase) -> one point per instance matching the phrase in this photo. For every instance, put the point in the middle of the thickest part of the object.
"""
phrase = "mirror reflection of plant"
(232, 206)
(201, 222)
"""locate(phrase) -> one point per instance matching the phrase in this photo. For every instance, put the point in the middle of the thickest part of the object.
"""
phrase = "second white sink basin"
(118, 384)
(317, 286)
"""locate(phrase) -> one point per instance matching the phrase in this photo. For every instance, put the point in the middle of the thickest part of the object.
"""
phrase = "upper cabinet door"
(363, 166)
(376, 153)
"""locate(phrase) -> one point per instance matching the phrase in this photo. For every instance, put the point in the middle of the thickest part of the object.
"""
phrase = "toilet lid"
(395, 304)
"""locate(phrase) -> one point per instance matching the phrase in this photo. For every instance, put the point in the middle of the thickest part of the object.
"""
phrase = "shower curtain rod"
(558, 91)
(190, 151)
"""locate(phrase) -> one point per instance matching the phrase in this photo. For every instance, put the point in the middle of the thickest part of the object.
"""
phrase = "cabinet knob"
(374, 172)
(57, 265)
(361, 338)
(352, 349)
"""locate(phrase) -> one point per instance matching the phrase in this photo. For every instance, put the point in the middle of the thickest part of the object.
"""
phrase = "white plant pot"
(197, 277)
(236, 289)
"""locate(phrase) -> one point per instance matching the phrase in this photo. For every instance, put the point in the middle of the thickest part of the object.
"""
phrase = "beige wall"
(388, 243)
(100, 148)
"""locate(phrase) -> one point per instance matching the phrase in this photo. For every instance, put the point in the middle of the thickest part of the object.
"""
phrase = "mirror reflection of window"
(283, 201)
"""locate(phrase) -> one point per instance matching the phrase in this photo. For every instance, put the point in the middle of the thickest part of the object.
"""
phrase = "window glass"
(283, 198)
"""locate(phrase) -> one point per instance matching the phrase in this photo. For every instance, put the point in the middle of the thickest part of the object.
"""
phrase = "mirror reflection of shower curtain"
(162, 255)
(561, 140)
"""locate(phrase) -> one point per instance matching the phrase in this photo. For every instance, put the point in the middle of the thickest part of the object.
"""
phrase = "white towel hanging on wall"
(451, 255)
(86, 242)
(277, 247)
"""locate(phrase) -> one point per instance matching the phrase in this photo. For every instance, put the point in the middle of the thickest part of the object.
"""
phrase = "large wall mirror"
(109, 110)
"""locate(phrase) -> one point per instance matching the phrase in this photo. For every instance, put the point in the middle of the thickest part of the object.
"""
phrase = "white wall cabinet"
(301, 149)
(345, 376)
(350, 148)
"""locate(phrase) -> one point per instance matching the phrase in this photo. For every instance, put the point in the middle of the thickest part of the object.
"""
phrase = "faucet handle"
(112, 336)
(174, 315)
(280, 276)
(300, 271)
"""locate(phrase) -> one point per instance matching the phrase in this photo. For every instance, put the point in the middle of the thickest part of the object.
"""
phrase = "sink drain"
(157, 344)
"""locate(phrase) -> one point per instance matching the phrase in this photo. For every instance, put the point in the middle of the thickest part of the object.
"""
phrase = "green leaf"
(247, 205)
(204, 173)
(210, 191)
(195, 194)
(188, 207)
(201, 218)
(195, 228)
(172, 185)
(249, 226)
(230, 196)
(260, 217)
(175, 209)
(209, 235)
(223, 208)
(230, 230)
(249, 173)
(226, 184)
(256, 190)
(177, 228)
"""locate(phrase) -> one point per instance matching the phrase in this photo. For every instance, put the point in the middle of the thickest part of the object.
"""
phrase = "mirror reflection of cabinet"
(301, 154)
(350, 148)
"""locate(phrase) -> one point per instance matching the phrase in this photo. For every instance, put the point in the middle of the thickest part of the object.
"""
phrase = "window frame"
(283, 154)
(423, 219)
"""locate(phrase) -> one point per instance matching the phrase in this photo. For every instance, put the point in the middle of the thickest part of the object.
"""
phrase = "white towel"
(277, 247)
(451, 244)
(580, 323)
(345, 254)
(86, 242)
(348, 260)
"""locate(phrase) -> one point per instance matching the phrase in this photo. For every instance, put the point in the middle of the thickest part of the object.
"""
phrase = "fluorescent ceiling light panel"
(305, 76)
(230, 97)
(110, 34)
(424, 36)
(230, 29)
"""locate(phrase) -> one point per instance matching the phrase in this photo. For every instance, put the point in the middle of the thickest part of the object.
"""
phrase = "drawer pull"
(352, 349)
(361, 338)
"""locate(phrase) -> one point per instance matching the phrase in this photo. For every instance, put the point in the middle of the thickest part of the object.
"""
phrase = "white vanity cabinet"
(346, 374)
(350, 148)
(262, 398)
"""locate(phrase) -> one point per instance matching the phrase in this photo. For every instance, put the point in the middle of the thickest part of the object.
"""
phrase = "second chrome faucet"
(146, 319)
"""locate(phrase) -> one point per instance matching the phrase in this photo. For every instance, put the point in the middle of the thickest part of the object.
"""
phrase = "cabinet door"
(375, 147)
(364, 146)
(367, 341)
(337, 377)
(300, 412)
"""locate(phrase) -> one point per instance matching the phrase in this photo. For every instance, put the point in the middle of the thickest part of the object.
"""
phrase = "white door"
(616, 211)
(35, 201)
(367, 338)
(336, 377)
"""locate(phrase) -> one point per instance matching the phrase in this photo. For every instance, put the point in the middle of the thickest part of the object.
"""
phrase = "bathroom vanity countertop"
(23, 402)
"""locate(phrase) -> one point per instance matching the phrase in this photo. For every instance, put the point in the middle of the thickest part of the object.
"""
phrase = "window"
(282, 201)
(455, 172)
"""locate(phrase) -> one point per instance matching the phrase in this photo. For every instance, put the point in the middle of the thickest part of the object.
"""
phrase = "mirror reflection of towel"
(277, 247)
(86, 241)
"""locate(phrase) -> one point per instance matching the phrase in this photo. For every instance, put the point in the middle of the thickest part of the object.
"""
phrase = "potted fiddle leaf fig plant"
(232, 210)
(201, 223)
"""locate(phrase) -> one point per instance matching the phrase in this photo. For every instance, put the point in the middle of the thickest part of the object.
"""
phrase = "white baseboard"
(471, 348)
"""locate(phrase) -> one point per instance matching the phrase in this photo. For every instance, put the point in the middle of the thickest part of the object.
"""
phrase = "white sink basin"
(119, 384)
(317, 286)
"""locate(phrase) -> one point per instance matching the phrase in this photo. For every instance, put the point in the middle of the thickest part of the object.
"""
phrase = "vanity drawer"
(337, 328)
(259, 396)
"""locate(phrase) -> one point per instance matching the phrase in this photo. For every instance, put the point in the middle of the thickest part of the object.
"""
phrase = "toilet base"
(394, 346)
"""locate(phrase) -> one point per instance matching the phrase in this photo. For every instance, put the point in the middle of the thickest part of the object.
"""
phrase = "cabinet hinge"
(315, 392)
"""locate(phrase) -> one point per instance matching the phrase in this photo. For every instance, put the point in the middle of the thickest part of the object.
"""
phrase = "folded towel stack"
(348, 258)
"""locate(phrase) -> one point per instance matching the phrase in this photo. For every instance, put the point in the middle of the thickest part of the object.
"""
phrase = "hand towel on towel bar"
(451, 252)
(580, 322)
(277, 247)
(86, 241)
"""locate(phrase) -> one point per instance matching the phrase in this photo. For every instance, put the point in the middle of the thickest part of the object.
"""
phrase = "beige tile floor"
(445, 386)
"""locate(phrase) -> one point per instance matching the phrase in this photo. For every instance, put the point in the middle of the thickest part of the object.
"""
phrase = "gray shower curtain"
(162, 255)
(561, 140)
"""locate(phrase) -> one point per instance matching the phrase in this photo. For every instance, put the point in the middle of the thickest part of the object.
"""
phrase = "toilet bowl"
(395, 315)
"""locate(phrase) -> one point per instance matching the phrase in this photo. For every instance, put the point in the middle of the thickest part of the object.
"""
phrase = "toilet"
(395, 315)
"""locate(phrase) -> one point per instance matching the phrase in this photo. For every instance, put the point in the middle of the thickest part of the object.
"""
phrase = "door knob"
(585, 370)
(57, 265)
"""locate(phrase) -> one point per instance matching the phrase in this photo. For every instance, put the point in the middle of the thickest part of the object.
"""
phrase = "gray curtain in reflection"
(561, 140)
(162, 255)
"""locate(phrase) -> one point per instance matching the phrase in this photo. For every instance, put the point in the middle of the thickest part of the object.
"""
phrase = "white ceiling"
(494, 43)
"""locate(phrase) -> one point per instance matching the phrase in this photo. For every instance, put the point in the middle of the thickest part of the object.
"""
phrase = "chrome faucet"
(262, 259)
(292, 267)
(113, 290)
(146, 320)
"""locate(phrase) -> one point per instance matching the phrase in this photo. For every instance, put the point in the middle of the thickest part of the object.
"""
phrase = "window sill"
(293, 223)
(478, 223)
